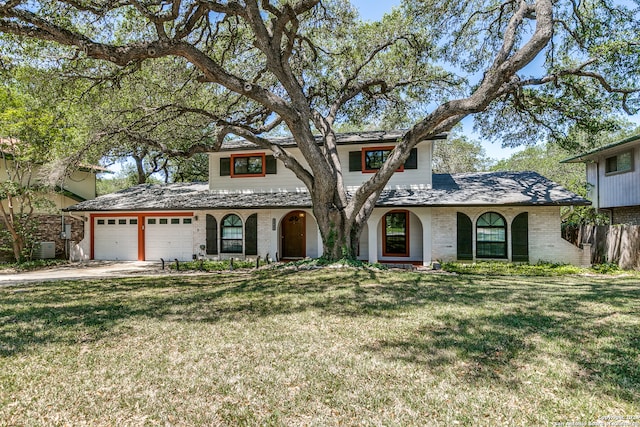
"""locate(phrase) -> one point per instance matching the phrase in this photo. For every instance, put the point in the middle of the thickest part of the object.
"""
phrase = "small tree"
(21, 196)
(28, 138)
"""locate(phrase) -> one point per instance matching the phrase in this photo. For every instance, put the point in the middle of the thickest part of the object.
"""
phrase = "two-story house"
(253, 206)
(79, 186)
(613, 176)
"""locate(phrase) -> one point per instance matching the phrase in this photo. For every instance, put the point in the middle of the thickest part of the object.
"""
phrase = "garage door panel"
(116, 239)
(169, 238)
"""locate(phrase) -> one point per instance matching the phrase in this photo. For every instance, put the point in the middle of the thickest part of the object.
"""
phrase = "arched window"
(491, 236)
(231, 235)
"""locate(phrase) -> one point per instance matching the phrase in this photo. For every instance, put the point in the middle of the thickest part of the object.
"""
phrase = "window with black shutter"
(464, 237)
(251, 235)
(412, 160)
(520, 238)
(225, 166)
(212, 235)
(355, 161)
(271, 165)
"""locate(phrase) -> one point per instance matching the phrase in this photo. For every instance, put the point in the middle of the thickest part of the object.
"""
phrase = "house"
(254, 206)
(79, 186)
(613, 177)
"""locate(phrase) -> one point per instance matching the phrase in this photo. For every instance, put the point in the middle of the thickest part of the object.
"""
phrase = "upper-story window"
(619, 163)
(374, 158)
(371, 159)
(248, 165)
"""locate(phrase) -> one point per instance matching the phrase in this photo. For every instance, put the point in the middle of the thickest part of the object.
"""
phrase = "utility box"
(45, 250)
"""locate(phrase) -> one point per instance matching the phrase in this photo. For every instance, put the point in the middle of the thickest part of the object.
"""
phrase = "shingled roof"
(346, 138)
(466, 189)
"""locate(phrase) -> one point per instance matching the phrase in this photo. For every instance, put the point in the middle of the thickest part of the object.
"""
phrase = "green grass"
(322, 347)
(496, 268)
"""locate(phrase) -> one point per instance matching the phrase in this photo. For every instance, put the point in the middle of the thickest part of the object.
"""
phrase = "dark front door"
(294, 239)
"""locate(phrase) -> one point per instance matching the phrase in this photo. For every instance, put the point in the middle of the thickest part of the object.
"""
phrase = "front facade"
(254, 206)
(613, 177)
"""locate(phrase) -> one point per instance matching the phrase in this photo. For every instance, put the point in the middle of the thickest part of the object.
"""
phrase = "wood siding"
(617, 189)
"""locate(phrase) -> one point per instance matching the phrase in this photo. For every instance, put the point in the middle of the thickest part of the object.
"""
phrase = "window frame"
(224, 239)
(504, 242)
(617, 171)
(232, 166)
(365, 150)
(407, 234)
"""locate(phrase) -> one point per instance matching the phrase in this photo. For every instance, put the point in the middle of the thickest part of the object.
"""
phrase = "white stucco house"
(252, 205)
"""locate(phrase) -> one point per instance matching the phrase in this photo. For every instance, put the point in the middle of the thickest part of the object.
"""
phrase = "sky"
(372, 10)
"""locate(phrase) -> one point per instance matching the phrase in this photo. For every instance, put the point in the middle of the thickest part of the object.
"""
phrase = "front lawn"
(323, 347)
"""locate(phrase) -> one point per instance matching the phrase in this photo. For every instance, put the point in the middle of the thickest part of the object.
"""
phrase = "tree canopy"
(307, 66)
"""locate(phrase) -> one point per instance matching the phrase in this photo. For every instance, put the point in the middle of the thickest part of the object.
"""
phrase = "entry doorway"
(294, 236)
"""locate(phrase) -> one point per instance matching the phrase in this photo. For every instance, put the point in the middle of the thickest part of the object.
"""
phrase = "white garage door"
(116, 239)
(169, 238)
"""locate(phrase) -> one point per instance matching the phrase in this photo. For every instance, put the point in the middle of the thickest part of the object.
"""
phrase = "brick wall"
(545, 240)
(626, 215)
(49, 229)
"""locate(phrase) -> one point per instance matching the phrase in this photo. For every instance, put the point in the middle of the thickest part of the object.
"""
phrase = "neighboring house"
(78, 187)
(613, 176)
(254, 206)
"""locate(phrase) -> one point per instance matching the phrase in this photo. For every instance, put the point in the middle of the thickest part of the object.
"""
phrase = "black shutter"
(465, 237)
(412, 160)
(520, 238)
(271, 165)
(355, 161)
(225, 166)
(251, 235)
(212, 235)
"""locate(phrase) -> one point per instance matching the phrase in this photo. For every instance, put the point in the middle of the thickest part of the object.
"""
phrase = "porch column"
(425, 218)
(320, 245)
(372, 226)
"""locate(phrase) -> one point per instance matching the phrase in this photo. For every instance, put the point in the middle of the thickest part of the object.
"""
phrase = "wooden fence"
(617, 244)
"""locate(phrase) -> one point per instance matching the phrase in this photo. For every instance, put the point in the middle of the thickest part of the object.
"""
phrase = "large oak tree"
(307, 66)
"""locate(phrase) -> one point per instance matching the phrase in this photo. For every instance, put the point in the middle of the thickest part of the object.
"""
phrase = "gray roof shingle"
(365, 137)
(466, 189)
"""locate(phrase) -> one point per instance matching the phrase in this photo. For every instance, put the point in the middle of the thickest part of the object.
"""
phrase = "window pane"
(122, 221)
(375, 159)
(232, 221)
(395, 233)
(101, 222)
(255, 165)
(251, 165)
(232, 232)
(111, 221)
(163, 221)
(133, 221)
(151, 221)
(624, 161)
(186, 221)
(175, 220)
(240, 165)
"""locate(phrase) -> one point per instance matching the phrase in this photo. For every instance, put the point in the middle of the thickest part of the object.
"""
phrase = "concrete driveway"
(85, 270)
